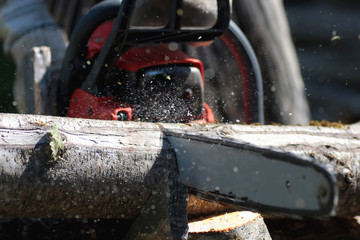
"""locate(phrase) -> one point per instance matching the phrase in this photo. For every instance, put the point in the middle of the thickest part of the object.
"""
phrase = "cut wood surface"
(108, 169)
(235, 225)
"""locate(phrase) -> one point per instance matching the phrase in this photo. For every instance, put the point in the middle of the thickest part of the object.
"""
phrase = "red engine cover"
(85, 105)
(141, 57)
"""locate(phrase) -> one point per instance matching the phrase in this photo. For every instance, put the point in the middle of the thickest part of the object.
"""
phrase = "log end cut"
(235, 225)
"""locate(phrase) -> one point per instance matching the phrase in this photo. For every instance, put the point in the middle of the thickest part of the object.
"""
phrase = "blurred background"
(7, 70)
(326, 34)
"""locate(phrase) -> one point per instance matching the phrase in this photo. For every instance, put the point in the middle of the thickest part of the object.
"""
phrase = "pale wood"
(235, 225)
(109, 168)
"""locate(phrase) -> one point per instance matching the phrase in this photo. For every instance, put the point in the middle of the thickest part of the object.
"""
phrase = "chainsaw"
(113, 71)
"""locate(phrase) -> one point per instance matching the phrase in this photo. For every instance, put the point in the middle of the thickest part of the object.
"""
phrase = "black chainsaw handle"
(76, 52)
(251, 76)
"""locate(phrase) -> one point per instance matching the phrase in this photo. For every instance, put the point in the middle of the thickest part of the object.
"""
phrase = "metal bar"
(111, 50)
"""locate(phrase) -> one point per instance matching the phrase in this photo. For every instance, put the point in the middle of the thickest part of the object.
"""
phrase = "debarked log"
(108, 169)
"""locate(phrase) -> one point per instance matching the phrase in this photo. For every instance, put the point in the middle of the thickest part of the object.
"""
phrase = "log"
(108, 168)
(107, 171)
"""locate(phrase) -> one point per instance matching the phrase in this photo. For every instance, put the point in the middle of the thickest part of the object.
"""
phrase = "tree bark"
(108, 169)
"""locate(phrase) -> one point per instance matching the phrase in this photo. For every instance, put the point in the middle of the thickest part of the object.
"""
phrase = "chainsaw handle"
(115, 45)
(77, 49)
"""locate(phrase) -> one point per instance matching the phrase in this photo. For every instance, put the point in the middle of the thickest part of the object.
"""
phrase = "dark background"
(326, 34)
(7, 69)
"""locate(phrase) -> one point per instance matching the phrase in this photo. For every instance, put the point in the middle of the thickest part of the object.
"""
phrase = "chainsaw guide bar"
(250, 177)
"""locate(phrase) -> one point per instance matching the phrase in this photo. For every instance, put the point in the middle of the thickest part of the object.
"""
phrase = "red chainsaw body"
(86, 105)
